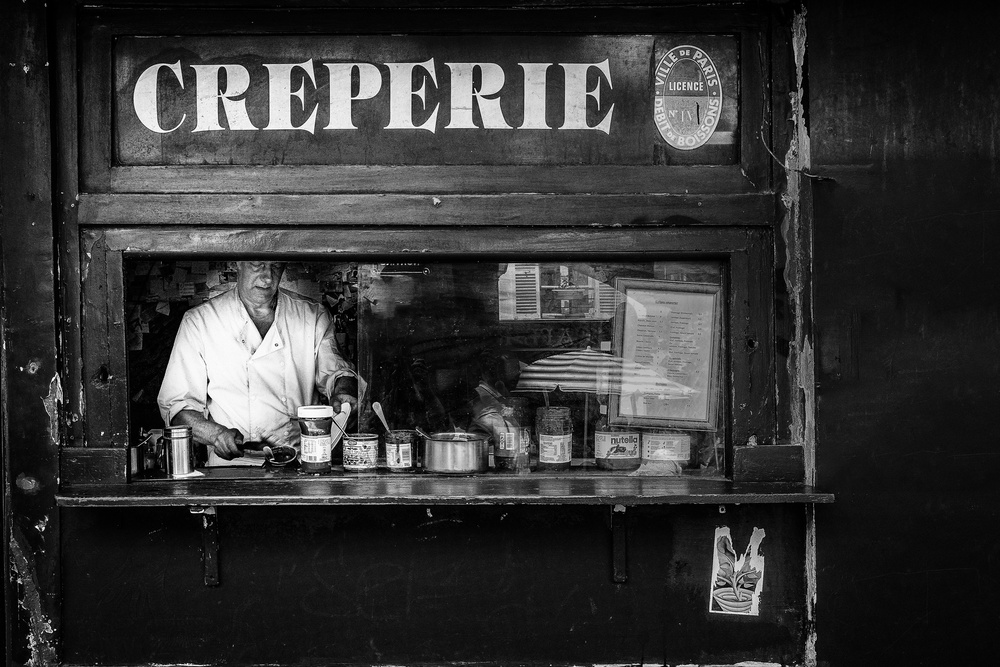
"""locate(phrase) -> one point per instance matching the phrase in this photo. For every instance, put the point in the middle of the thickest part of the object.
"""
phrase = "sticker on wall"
(736, 580)
(688, 102)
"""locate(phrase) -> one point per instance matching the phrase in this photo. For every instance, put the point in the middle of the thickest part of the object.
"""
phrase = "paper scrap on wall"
(737, 581)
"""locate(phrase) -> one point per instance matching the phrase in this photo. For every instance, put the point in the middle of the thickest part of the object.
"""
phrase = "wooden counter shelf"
(257, 486)
(236, 487)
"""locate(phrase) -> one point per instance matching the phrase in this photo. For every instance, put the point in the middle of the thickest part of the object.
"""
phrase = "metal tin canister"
(178, 450)
(360, 452)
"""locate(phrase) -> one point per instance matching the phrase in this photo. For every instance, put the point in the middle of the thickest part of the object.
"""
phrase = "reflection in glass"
(450, 346)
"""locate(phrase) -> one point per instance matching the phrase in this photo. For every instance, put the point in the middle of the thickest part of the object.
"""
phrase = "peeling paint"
(796, 237)
(811, 659)
(26, 484)
(41, 636)
(83, 401)
(796, 229)
(88, 255)
(52, 403)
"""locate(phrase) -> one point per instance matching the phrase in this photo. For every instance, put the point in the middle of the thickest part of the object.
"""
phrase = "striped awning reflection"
(593, 372)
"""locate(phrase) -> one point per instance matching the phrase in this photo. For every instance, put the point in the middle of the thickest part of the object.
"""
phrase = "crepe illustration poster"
(737, 581)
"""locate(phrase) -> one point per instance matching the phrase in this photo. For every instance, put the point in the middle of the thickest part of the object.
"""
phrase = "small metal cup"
(178, 450)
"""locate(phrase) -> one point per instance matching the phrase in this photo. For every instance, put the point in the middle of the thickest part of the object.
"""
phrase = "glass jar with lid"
(554, 429)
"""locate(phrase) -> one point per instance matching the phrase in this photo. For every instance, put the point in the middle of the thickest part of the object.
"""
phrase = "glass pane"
(631, 350)
(449, 346)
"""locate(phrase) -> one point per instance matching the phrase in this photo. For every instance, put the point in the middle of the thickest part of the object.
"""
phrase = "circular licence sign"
(688, 100)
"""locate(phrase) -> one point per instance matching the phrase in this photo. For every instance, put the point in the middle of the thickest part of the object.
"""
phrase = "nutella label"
(616, 445)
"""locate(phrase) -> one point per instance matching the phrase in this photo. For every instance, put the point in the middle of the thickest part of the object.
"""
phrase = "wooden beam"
(246, 210)
(380, 179)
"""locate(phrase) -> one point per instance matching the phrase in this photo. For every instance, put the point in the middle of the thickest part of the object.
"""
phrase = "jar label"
(666, 446)
(398, 455)
(555, 448)
(360, 454)
(616, 445)
(316, 448)
(513, 442)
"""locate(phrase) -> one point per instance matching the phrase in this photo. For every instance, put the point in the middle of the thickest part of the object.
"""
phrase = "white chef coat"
(222, 368)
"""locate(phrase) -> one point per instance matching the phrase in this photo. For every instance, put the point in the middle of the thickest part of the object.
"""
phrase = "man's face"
(257, 282)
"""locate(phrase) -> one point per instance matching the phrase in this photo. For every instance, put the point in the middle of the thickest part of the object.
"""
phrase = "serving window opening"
(627, 355)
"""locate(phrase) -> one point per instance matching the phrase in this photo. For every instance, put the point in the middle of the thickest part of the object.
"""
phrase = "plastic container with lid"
(511, 441)
(315, 422)
(554, 427)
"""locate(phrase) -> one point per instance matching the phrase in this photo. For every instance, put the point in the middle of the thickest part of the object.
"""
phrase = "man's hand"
(286, 434)
(337, 399)
(227, 444)
(345, 391)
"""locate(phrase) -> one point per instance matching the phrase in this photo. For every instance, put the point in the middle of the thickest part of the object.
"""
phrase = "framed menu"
(668, 342)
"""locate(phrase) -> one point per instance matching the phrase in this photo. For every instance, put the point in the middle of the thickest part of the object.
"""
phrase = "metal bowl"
(456, 453)
(282, 455)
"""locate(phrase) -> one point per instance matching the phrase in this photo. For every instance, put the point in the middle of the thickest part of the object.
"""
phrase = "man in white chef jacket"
(244, 361)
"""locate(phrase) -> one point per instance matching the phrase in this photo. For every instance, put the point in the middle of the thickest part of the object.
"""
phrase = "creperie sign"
(296, 92)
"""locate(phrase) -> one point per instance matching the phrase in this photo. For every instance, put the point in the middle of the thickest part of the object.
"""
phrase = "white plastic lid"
(315, 411)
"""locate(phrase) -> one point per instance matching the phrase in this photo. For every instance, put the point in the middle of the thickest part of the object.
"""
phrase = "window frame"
(745, 254)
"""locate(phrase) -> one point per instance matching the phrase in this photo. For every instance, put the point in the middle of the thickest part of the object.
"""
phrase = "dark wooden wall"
(408, 585)
(904, 117)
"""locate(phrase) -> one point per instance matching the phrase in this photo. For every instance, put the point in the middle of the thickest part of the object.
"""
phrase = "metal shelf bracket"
(619, 545)
(209, 542)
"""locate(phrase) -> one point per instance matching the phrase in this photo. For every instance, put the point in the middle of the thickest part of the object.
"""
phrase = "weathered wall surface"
(903, 116)
(30, 388)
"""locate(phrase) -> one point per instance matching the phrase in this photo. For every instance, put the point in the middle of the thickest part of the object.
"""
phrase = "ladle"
(377, 408)
(421, 432)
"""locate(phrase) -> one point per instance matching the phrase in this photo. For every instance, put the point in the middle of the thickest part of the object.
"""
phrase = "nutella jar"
(615, 448)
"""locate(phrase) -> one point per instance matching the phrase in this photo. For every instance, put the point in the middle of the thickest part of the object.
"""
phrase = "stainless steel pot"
(456, 453)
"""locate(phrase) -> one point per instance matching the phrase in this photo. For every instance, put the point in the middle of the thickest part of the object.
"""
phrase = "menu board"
(668, 337)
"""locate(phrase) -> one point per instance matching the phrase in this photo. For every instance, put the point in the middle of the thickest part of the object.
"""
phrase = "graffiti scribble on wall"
(737, 580)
